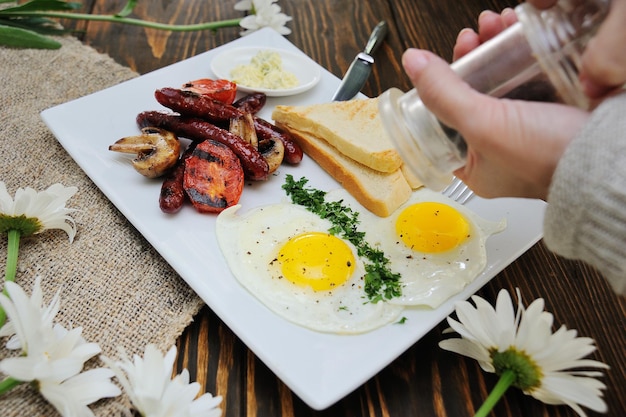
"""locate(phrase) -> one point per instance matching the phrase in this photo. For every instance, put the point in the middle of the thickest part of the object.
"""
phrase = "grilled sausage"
(254, 165)
(251, 103)
(266, 130)
(172, 196)
(189, 103)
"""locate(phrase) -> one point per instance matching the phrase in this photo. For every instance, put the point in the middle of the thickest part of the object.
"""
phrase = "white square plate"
(320, 368)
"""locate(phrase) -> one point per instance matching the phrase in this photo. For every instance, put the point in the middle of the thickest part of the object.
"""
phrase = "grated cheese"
(264, 71)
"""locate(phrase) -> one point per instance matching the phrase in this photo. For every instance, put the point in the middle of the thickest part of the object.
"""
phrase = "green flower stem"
(11, 268)
(8, 384)
(506, 379)
(12, 251)
(129, 20)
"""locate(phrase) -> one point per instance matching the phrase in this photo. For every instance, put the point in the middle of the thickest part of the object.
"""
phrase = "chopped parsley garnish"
(380, 282)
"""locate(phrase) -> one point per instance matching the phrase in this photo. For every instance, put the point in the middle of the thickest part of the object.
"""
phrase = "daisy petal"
(149, 387)
(469, 349)
(72, 396)
(560, 389)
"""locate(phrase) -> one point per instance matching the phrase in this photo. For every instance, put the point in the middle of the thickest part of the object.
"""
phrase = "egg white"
(250, 242)
(426, 278)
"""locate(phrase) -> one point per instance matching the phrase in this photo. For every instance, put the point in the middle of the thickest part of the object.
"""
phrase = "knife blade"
(361, 67)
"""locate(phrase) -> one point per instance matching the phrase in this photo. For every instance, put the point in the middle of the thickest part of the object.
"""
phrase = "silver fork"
(458, 191)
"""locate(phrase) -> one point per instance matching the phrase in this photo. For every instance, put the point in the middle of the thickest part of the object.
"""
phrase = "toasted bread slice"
(353, 127)
(379, 192)
(411, 178)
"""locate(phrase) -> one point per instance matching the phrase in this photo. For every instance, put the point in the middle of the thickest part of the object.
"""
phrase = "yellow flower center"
(528, 374)
(25, 225)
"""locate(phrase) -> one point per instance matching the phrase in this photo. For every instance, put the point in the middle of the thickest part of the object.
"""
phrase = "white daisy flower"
(33, 212)
(49, 351)
(47, 314)
(148, 383)
(52, 357)
(72, 396)
(264, 13)
(521, 348)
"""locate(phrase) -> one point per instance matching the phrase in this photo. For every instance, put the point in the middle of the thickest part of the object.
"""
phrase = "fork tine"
(458, 191)
(465, 195)
(452, 187)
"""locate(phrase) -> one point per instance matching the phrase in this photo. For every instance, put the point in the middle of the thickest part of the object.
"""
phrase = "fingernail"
(509, 17)
(414, 60)
(463, 33)
(485, 13)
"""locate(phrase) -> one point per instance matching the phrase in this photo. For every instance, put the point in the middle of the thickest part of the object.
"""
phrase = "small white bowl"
(305, 69)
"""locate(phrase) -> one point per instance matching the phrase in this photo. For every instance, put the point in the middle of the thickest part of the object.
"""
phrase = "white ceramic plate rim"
(319, 368)
(305, 69)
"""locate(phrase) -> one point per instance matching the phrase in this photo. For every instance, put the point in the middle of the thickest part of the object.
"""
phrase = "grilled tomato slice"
(213, 178)
(220, 90)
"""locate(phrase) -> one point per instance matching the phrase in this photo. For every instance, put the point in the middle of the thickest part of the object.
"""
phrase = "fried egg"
(434, 243)
(285, 256)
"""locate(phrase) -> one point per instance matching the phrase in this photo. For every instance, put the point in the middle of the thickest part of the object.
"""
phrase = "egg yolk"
(432, 227)
(318, 260)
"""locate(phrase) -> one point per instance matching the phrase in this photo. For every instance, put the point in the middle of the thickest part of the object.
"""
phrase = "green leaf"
(37, 24)
(23, 38)
(37, 5)
(128, 8)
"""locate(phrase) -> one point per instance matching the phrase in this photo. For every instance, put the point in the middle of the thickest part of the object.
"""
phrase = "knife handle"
(376, 37)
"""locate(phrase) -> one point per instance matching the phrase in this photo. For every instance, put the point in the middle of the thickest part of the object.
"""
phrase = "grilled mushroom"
(272, 150)
(157, 151)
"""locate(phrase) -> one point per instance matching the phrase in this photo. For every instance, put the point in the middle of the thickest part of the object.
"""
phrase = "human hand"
(513, 146)
(603, 67)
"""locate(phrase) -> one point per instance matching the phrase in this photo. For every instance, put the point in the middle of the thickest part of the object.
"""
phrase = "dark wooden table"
(425, 380)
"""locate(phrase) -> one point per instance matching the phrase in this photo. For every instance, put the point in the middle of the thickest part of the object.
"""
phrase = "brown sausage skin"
(254, 165)
(266, 130)
(191, 104)
(172, 195)
(251, 103)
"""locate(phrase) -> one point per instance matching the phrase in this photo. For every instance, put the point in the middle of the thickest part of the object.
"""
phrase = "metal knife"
(361, 67)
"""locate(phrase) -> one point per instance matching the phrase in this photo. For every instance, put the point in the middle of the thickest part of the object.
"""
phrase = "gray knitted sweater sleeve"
(586, 214)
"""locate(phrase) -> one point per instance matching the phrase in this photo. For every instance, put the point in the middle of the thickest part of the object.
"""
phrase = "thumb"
(604, 59)
(441, 90)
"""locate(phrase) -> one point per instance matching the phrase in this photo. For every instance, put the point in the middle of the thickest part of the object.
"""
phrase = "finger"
(604, 59)
(509, 18)
(466, 41)
(542, 4)
(444, 93)
(489, 25)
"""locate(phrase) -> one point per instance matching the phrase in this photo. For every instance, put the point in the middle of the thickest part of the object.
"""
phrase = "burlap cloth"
(114, 284)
